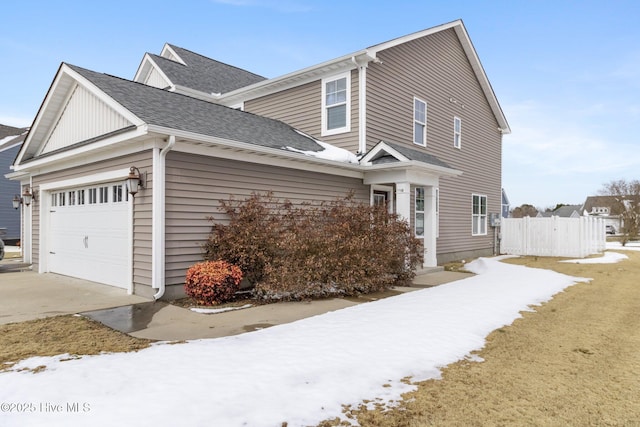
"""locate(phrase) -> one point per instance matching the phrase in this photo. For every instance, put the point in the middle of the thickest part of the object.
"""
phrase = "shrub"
(212, 282)
(292, 252)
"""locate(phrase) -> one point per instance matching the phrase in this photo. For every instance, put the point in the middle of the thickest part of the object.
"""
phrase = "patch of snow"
(218, 310)
(330, 152)
(607, 258)
(630, 246)
(299, 373)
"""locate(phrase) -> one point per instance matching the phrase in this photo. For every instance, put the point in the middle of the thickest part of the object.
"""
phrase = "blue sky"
(566, 73)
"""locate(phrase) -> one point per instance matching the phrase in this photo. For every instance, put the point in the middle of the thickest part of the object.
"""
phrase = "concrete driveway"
(25, 295)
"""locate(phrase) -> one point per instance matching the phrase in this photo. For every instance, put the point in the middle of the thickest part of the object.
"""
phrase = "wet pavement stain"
(129, 318)
(256, 326)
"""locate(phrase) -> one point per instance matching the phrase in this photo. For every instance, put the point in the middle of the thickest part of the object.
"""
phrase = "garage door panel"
(90, 240)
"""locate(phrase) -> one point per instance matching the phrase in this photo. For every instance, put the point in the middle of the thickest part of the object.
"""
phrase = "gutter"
(158, 237)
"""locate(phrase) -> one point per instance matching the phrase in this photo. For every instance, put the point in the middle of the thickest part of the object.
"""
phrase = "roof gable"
(74, 111)
(387, 153)
(184, 71)
(361, 57)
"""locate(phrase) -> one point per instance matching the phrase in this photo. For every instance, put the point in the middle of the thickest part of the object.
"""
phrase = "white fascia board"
(168, 48)
(145, 68)
(416, 166)
(478, 69)
(382, 146)
(16, 176)
(472, 55)
(204, 96)
(413, 36)
(298, 78)
(65, 80)
(103, 96)
(242, 151)
(100, 150)
(60, 82)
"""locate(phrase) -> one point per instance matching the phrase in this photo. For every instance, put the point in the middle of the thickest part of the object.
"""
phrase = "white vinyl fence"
(555, 236)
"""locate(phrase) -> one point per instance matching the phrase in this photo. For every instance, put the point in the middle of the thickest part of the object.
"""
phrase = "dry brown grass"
(62, 334)
(574, 361)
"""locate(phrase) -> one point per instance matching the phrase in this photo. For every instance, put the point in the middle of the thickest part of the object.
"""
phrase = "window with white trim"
(479, 215)
(457, 132)
(336, 100)
(419, 211)
(117, 193)
(54, 200)
(103, 192)
(93, 196)
(62, 199)
(80, 197)
(72, 198)
(419, 122)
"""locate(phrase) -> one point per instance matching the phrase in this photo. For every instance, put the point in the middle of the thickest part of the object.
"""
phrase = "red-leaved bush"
(212, 282)
(343, 247)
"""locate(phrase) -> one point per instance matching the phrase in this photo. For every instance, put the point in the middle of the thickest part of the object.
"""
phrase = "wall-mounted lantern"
(135, 180)
(27, 197)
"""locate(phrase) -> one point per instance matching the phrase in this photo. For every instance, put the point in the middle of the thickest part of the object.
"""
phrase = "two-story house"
(412, 122)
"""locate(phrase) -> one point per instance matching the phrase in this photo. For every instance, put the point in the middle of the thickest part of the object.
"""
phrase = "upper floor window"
(479, 215)
(457, 132)
(419, 122)
(336, 101)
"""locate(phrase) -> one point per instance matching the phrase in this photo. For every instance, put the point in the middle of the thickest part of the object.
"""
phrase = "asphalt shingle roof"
(176, 111)
(417, 155)
(204, 74)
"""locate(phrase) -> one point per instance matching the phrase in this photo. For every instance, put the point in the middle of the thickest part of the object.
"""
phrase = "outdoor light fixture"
(17, 201)
(135, 180)
(27, 196)
(26, 199)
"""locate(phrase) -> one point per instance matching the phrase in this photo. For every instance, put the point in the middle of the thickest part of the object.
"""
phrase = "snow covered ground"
(631, 246)
(300, 372)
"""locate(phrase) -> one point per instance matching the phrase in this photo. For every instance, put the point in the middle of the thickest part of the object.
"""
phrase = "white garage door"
(89, 233)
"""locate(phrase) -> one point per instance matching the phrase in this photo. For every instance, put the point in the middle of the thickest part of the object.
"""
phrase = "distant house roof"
(568, 211)
(203, 74)
(6, 131)
(11, 136)
(611, 202)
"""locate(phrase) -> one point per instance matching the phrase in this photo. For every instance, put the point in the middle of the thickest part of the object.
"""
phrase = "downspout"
(158, 243)
(362, 105)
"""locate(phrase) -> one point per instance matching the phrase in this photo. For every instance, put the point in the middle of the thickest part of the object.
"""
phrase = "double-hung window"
(479, 215)
(457, 132)
(419, 122)
(419, 211)
(336, 101)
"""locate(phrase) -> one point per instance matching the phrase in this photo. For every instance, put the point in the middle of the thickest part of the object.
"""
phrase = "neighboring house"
(566, 211)
(412, 123)
(11, 139)
(506, 206)
(607, 207)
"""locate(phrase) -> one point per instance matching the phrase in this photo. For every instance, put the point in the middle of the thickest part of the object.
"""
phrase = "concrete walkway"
(25, 295)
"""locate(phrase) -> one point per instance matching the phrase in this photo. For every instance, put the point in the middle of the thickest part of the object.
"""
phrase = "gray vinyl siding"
(196, 184)
(9, 217)
(301, 107)
(141, 211)
(435, 69)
